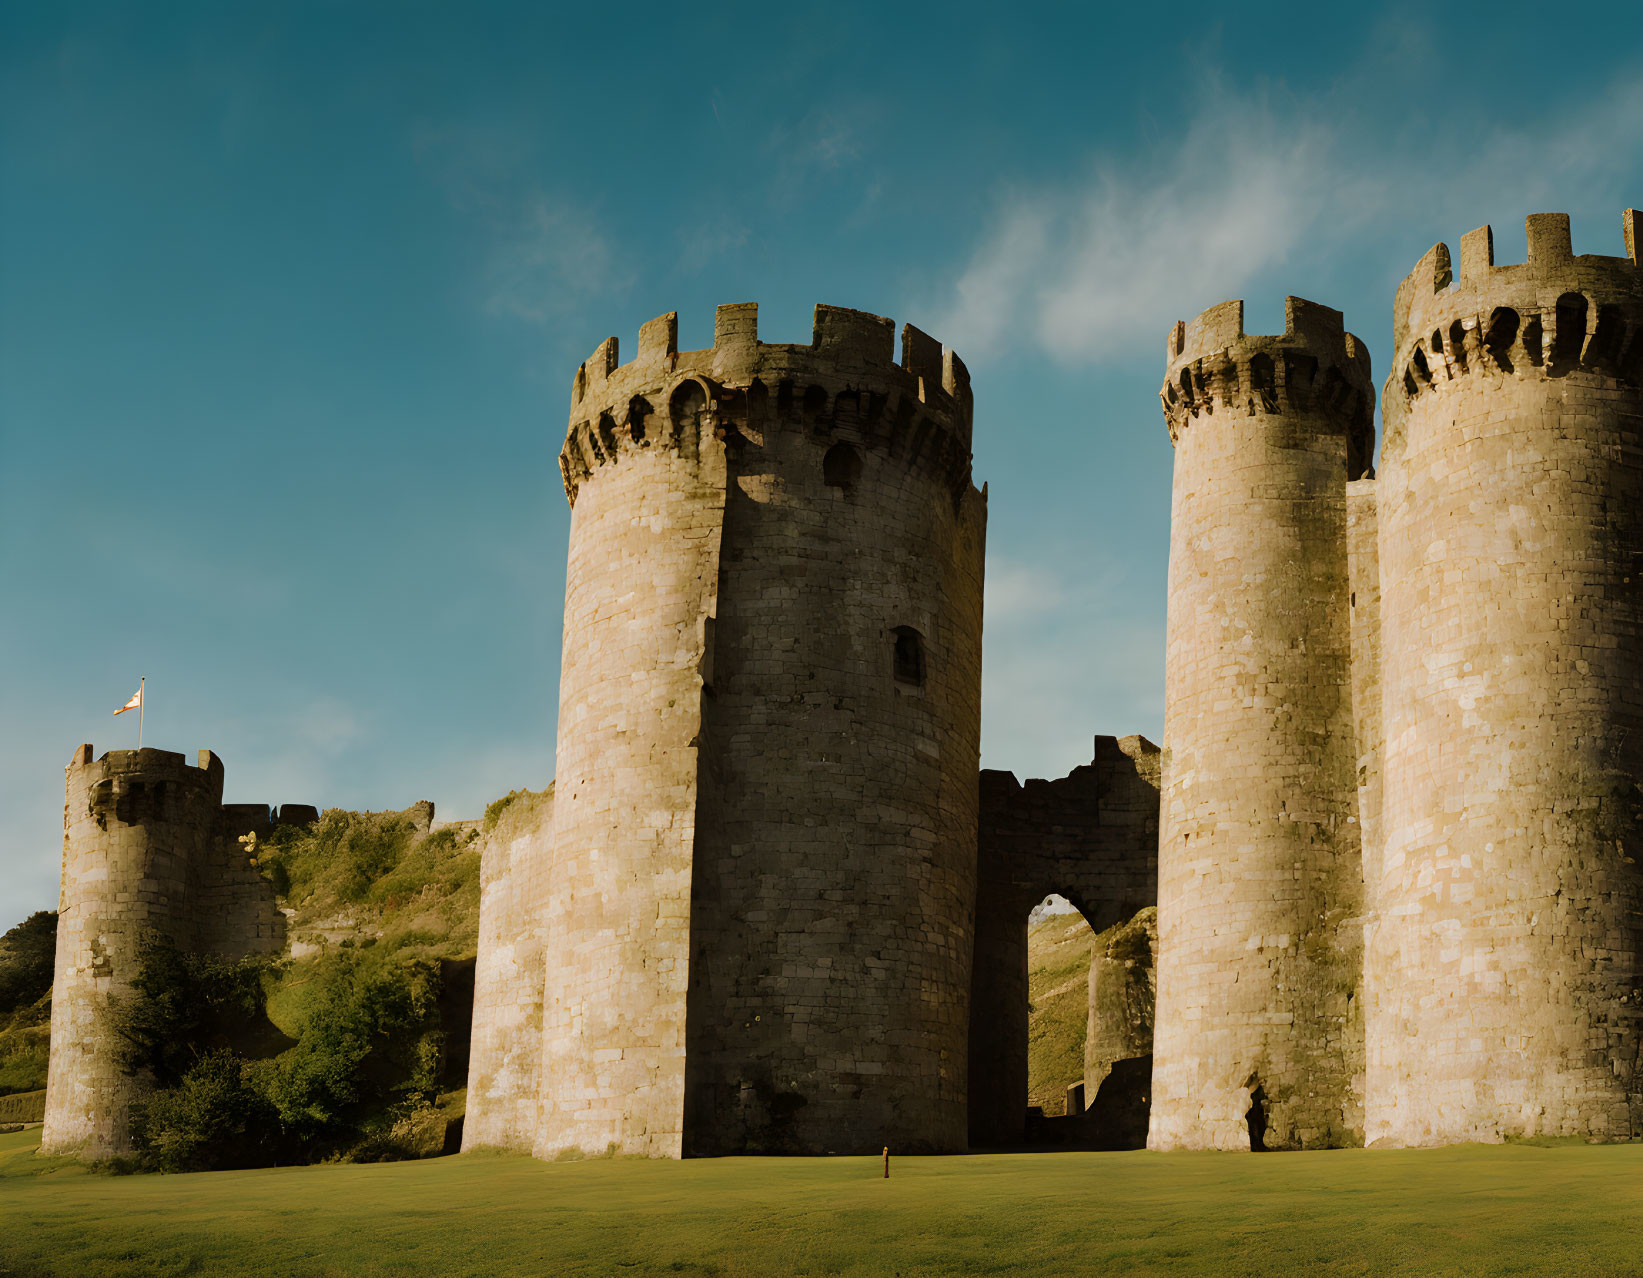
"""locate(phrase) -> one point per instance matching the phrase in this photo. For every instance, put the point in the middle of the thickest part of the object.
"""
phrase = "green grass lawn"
(1514, 1209)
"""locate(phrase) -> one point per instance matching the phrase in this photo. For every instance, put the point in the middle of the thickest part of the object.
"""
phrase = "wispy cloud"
(549, 256)
(821, 139)
(1091, 269)
(828, 149)
(702, 245)
(1096, 268)
(546, 253)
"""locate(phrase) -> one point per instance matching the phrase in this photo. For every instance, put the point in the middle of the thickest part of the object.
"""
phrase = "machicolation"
(846, 385)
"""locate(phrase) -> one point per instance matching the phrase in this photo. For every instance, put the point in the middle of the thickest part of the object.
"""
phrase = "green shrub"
(371, 1039)
(494, 810)
(184, 1005)
(369, 1044)
(25, 1049)
(344, 854)
(215, 1118)
(28, 953)
(439, 861)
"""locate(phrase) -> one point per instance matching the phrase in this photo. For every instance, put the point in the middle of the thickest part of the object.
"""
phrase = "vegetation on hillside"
(364, 1048)
(372, 874)
(27, 958)
(1059, 948)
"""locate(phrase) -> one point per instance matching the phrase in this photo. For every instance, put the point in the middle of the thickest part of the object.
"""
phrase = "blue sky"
(291, 296)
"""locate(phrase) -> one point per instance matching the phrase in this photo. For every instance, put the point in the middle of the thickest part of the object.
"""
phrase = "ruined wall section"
(645, 474)
(1122, 1000)
(1503, 972)
(235, 910)
(505, 1052)
(1092, 837)
(835, 855)
(1257, 1039)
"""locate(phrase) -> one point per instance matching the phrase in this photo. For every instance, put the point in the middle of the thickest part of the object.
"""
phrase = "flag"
(134, 703)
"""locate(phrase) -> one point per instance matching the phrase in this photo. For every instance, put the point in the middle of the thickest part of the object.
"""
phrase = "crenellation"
(1314, 370)
(1477, 252)
(820, 387)
(1430, 299)
(921, 355)
(1550, 244)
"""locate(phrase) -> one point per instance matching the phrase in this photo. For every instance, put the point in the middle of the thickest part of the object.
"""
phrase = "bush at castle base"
(366, 1056)
(371, 1042)
(214, 1119)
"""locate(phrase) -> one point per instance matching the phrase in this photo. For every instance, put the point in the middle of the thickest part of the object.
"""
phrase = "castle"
(769, 903)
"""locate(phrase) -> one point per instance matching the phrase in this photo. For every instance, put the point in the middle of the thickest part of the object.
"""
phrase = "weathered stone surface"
(1122, 998)
(1503, 971)
(505, 1052)
(147, 846)
(758, 915)
(1259, 863)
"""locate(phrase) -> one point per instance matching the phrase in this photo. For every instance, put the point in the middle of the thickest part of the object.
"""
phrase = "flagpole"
(142, 704)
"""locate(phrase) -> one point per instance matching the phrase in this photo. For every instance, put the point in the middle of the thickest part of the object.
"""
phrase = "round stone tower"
(1503, 975)
(758, 931)
(1256, 1040)
(136, 823)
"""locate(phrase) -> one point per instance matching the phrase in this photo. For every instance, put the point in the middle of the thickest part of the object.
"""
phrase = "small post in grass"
(887, 1162)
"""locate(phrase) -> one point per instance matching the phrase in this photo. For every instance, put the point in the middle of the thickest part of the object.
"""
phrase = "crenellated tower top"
(846, 381)
(1313, 367)
(1552, 314)
(130, 781)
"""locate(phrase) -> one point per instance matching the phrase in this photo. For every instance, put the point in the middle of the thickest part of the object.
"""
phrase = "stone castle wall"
(1364, 607)
(758, 920)
(147, 848)
(1503, 965)
(505, 1049)
(1091, 837)
(1257, 1037)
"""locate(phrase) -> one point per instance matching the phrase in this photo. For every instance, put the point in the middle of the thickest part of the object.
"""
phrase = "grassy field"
(1516, 1209)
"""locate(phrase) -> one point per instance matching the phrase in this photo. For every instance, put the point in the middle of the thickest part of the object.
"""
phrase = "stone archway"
(1092, 837)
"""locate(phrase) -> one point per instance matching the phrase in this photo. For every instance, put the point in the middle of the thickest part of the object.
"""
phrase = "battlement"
(846, 382)
(120, 778)
(1547, 316)
(149, 764)
(1313, 367)
(1433, 288)
(246, 818)
(1320, 328)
